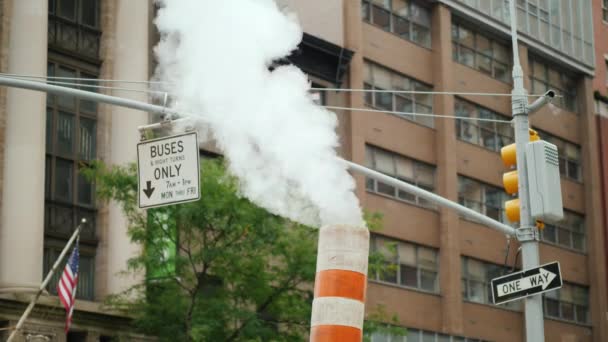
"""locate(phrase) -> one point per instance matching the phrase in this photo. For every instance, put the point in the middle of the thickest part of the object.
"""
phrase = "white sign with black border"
(168, 170)
(526, 283)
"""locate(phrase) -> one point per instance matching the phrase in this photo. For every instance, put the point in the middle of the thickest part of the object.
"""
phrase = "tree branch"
(280, 290)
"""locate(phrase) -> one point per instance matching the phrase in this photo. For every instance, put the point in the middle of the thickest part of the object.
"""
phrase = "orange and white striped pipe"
(339, 305)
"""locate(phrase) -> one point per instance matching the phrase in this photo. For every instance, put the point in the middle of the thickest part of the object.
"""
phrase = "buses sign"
(168, 170)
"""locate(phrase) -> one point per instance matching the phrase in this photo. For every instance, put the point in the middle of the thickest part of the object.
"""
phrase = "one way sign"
(526, 283)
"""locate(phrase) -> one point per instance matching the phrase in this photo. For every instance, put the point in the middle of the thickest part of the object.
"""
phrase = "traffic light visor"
(510, 181)
(512, 210)
(508, 155)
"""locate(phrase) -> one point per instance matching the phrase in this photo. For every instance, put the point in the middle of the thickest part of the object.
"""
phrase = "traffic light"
(510, 179)
(544, 187)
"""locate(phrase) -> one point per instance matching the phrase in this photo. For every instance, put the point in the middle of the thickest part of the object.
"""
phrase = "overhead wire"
(51, 80)
(395, 91)
(418, 114)
(81, 79)
(82, 85)
(422, 92)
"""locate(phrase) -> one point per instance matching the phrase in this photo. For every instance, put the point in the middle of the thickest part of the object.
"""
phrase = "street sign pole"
(527, 233)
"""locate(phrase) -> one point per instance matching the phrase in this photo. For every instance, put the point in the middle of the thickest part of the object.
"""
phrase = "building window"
(318, 95)
(478, 51)
(477, 281)
(407, 264)
(491, 135)
(74, 27)
(71, 133)
(415, 335)
(570, 303)
(405, 18)
(543, 77)
(570, 232)
(408, 170)
(378, 78)
(605, 10)
(485, 199)
(569, 156)
(560, 25)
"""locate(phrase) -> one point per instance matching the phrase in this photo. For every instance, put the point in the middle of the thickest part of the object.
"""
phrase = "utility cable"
(80, 79)
(395, 91)
(421, 92)
(94, 86)
(419, 114)
(506, 266)
(516, 257)
(85, 85)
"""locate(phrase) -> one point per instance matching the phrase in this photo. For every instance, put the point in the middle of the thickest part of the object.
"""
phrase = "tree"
(218, 269)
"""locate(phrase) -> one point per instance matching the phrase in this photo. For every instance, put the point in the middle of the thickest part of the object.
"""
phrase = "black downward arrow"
(148, 191)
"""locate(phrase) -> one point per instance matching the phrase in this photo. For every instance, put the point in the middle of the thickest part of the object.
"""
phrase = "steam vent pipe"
(338, 307)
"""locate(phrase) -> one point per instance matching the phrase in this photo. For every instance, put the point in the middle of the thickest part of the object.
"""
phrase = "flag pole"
(30, 307)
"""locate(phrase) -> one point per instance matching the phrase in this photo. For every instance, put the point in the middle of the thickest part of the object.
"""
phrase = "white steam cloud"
(215, 57)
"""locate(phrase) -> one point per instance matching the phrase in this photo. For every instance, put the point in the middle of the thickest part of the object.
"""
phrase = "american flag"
(67, 286)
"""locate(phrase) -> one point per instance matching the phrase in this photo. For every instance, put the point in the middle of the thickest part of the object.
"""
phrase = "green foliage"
(218, 269)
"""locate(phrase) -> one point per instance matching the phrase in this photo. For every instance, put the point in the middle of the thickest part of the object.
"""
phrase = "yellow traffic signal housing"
(508, 153)
(510, 182)
(510, 179)
(512, 210)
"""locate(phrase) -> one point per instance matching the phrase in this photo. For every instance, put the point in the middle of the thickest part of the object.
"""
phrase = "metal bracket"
(527, 234)
(519, 105)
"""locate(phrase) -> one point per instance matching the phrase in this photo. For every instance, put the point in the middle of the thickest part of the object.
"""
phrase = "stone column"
(22, 207)
(130, 55)
(446, 174)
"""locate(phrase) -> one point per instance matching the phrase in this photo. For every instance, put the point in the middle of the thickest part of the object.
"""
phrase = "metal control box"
(544, 181)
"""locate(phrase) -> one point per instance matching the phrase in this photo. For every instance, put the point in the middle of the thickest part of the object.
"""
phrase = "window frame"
(62, 215)
(486, 283)
(569, 99)
(372, 184)
(562, 228)
(461, 125)
(82, 33)
(549, 22)
(564, 161)
(368, 8)
(52, 249)
(371, 98)
(416, 335)
(457, 27)
(321, 93)
(605, 11)
(555, 296)
(484, 188)
(395, 260)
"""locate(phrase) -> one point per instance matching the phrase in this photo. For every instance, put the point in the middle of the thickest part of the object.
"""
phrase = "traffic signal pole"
(527, 233)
